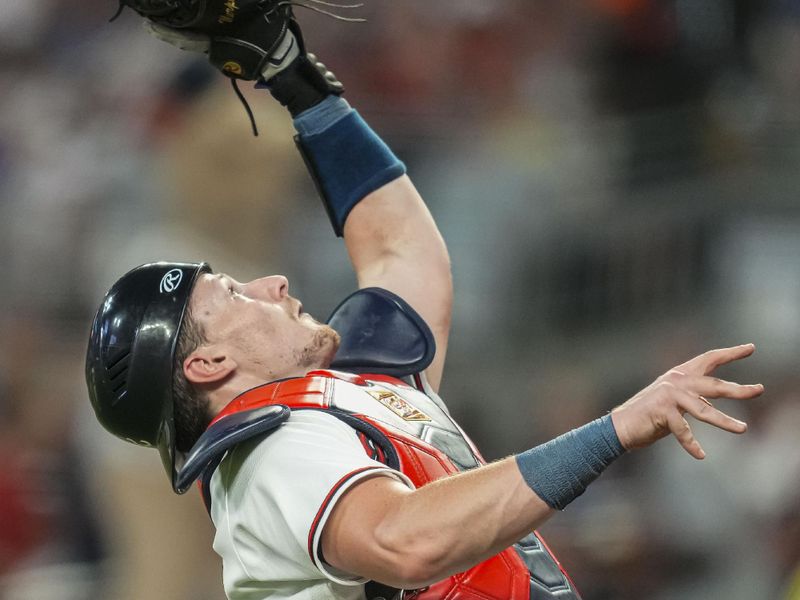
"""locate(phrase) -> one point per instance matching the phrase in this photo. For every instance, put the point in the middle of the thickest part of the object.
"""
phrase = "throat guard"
(381, 333)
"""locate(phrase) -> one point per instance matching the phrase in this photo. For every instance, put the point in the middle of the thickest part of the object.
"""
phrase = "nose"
(273, 287)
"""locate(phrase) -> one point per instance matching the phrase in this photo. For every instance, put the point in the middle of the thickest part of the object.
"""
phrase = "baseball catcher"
(329, 465)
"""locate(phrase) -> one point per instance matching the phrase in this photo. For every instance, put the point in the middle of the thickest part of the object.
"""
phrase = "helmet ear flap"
(129, 360)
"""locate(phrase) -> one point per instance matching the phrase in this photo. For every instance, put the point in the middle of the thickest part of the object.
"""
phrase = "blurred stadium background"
(618, 184)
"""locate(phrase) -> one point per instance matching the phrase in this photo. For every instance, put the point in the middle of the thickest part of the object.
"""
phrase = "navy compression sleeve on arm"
(560, 470)
(346, 159)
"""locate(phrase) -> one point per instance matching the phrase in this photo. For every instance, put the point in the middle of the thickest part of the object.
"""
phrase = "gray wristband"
(560, 470)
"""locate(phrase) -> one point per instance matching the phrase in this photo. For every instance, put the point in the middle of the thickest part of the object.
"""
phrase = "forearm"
(452, 524)
(411, 538)
(408, 539)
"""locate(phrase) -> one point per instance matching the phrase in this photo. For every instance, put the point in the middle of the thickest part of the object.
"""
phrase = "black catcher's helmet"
(131, 351)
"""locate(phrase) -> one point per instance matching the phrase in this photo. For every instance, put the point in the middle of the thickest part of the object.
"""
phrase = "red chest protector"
(407, 430)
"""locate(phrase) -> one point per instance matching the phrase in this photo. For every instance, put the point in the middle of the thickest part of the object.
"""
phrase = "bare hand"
(659, 409)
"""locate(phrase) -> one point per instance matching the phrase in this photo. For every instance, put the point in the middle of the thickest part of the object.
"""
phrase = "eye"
(234, 289)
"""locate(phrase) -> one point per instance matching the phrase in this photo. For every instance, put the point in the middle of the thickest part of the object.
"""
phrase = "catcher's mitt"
(248, 39)
(243, 34)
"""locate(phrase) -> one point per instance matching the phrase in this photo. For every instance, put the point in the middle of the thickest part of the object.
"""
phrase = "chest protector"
(404, 425)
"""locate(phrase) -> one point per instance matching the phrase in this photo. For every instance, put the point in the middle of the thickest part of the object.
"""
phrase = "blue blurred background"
(616, 180)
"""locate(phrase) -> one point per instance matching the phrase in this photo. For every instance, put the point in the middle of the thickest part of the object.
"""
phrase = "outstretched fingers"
(708, 361)
(659, 409)
(702, 410)
(712, 387)
(683, 433)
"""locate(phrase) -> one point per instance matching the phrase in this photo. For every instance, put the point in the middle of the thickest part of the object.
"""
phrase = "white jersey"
(271, 497)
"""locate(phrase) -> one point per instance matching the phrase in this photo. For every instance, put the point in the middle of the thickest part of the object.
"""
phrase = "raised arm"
(390, 235)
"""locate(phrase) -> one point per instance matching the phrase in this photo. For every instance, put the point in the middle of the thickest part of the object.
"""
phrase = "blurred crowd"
(617, 183)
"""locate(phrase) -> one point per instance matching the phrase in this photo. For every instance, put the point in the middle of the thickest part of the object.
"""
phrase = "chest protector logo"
(397, 405)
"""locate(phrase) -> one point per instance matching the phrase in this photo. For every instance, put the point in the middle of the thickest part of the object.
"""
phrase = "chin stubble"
(320, 351)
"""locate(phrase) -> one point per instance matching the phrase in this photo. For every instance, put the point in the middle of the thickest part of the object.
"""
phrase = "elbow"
(414, 560)
(417, 573)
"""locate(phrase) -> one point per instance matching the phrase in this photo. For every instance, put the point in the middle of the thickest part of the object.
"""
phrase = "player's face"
(261, 326)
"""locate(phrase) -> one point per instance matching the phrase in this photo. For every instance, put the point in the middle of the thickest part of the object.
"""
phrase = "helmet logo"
(171, 281)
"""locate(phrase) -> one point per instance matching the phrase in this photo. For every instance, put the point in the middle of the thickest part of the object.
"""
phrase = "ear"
(208, 364)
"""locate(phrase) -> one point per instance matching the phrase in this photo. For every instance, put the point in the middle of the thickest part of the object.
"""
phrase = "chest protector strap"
(223, 435)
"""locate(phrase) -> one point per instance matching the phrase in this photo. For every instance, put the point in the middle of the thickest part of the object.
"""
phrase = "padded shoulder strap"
(381, 333)
(226, 433)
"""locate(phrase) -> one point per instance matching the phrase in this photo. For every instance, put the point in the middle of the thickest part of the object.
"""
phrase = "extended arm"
(383, 531)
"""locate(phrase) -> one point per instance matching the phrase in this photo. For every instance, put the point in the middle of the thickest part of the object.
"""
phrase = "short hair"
(190, 404)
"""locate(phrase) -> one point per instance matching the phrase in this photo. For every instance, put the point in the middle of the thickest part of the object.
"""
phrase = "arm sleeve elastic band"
(346, 159)
(560, 470)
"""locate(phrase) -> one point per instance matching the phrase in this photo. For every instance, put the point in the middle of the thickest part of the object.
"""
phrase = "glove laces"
(316, 6)
(248, 110)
